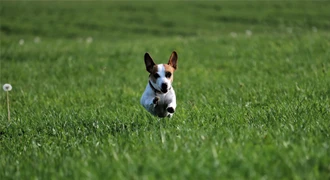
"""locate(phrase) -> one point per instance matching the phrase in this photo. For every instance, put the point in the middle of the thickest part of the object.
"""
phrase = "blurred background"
(119, 20)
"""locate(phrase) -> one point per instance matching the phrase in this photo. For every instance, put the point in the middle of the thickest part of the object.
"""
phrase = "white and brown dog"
(159, 96)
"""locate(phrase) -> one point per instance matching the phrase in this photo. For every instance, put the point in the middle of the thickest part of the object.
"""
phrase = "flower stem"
(8, 106)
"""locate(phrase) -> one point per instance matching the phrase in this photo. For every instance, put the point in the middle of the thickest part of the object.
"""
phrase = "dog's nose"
(164, 87)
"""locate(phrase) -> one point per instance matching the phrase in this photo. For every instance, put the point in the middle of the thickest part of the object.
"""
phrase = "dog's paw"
(155, 101)
(170, 110)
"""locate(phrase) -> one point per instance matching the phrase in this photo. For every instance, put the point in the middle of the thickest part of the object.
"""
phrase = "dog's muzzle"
(164, 88)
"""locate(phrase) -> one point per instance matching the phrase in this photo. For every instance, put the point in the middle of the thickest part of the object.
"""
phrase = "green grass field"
(252, 85)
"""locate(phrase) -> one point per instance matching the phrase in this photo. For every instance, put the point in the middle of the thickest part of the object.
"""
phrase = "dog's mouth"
(164, 90)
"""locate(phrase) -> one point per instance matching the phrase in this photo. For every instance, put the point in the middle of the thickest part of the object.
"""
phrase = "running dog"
(159, 96)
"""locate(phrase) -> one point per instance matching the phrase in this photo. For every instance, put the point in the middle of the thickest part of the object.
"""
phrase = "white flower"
(21, 42)
(314, 29)
(37, 39)
(233, 34)
(89, 40)
(248, 32)
(7, 87)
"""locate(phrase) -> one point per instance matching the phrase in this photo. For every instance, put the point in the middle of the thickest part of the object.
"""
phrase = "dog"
(159, 96)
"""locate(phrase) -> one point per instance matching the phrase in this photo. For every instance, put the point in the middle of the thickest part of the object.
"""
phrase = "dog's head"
(161, 75)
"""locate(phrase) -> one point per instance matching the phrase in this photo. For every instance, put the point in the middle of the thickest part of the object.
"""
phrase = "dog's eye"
(156, 76)
(168, 74)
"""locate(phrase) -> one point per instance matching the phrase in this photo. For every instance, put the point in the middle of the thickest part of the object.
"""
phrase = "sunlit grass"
(252, 84)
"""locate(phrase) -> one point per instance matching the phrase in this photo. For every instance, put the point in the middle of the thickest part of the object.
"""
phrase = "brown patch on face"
(153, 73)
(169, 69)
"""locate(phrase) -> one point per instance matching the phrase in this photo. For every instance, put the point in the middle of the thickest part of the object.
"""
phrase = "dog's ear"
(148, 62)
(173, 60)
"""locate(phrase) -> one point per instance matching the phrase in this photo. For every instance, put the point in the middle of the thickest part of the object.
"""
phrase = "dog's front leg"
(155, 101)
(171, 106)
(150, 103)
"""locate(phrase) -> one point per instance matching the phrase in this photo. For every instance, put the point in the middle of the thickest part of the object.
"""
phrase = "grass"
(249, 106)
